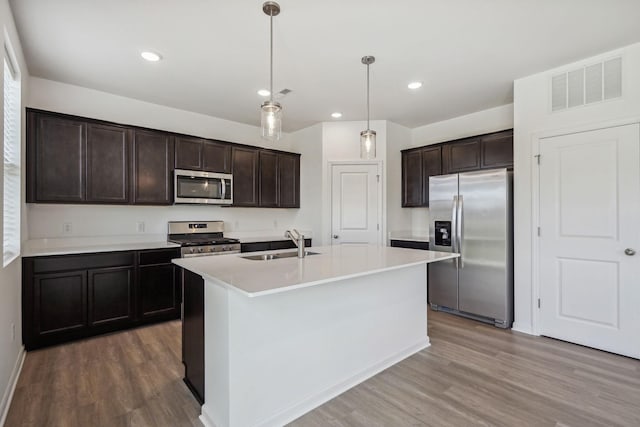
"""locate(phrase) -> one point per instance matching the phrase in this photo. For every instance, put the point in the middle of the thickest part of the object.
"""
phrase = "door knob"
(630, 252)
(335, 236)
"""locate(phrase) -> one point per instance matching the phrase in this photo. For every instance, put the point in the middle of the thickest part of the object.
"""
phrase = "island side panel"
(217, 364)
(290, 352)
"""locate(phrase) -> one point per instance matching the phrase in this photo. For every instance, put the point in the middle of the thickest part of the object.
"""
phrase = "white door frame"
(382, 217)
(536, 139)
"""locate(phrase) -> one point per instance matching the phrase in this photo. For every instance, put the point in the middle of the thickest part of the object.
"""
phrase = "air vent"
(587, 85)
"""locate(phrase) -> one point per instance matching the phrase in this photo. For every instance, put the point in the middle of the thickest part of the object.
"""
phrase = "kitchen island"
(282, 336)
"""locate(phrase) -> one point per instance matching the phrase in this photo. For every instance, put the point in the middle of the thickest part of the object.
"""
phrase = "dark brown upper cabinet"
(202, 154)
(412, 178)
(288, 180)
(417, 166)
(494, 150)
(108, 163)
(216, 157)
(56, 154)
(71, 161)
(497, 150)
(461, 156)
(245, 176)
(268, 185)
(189, 153)
(79, 160)
(153, 159)
(431, 166)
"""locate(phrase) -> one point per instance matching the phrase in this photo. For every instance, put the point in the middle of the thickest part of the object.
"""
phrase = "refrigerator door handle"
(459, 223)
(454, 228)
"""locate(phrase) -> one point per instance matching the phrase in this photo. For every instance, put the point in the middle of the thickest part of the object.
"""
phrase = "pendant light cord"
(271, 56)
(368, 127)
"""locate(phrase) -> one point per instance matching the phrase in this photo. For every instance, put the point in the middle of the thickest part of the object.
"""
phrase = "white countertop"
(79, 245)
(257, 278)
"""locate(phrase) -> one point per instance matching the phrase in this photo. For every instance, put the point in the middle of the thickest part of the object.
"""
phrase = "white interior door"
(590, 230)
(355, 204)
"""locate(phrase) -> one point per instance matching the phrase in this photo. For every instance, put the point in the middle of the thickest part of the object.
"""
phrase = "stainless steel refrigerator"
(472, 214)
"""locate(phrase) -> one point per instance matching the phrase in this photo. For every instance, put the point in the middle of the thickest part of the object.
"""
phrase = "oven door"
(202, 187)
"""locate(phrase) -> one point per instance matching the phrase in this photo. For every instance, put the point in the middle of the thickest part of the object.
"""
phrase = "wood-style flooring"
(473, 374)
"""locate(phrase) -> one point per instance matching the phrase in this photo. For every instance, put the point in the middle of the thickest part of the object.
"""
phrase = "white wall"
(533, 119)
(11, 349)
(341, 142)
(478, 123)
(308, 142)
(46, 221)
(398, 138)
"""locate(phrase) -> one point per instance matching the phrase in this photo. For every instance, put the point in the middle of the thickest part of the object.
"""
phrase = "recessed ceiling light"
(151, 56)
(336, 115)
(264, 92)
(414, 85)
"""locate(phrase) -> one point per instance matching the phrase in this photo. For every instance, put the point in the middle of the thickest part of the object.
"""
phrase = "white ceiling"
(467, 52)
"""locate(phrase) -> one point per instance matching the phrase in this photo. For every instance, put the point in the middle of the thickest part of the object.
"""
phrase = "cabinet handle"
(629, 252)
(335, 236)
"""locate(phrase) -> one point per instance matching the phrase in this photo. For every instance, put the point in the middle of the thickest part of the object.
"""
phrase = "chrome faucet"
(298, 239)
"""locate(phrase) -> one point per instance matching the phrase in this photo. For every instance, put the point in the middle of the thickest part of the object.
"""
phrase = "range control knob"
(200, 250)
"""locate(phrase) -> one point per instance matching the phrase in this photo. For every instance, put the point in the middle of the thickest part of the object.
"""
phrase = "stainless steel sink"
(277, 255)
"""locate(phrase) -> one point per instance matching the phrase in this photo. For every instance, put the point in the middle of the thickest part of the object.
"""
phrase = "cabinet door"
(193, 334)
(57, 155)
(431, 166)
(461, 156)
(60, 303)
(189, 153)
(108, 159)
(110, 296)
(216, 157)
(159, 292)
(245, 176)
(268, 169)
(497, 150)
(153, 168)
(288, 181)
(411, 178)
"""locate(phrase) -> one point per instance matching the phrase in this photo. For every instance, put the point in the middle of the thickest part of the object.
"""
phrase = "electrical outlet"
(140, 226)
(67, 228)
(13, 332)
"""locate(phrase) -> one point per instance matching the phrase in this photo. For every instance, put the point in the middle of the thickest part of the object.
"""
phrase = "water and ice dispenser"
(443, 233)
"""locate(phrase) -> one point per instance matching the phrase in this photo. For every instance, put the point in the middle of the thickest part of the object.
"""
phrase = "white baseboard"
(525, 329)
(11, 387)
(312, 402)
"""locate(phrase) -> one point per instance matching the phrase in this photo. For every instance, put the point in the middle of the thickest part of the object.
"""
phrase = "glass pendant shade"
(271, 120)
(368, 144)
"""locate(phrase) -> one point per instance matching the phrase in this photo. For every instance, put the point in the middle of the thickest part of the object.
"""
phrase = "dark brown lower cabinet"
(159, 291)
(110, 297)
(67, 297)
(193, 333)
(59, 303)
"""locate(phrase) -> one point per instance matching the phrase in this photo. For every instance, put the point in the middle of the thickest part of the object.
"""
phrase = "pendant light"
(368, 137)
(271, 112)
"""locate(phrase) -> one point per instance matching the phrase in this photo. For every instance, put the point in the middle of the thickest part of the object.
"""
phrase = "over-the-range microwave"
(202, 187)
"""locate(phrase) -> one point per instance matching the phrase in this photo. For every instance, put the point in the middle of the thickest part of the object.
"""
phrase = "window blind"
(11, 199)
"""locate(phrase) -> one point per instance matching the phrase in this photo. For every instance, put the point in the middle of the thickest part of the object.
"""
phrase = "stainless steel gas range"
(201, 238)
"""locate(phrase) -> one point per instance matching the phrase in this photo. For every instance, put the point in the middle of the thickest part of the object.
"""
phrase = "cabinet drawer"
(158, 256)
(80, 262)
